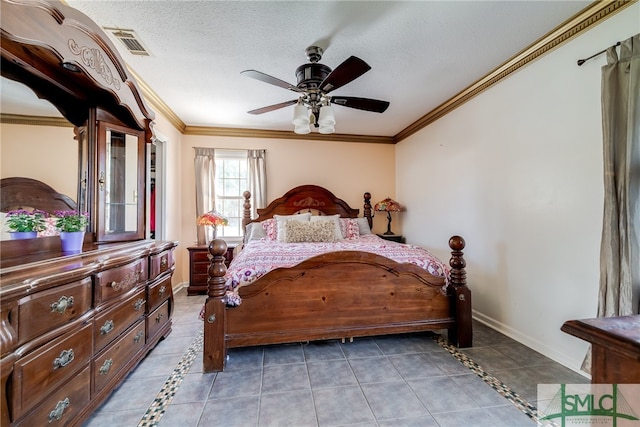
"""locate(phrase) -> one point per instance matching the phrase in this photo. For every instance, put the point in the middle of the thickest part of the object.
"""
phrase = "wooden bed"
(336, 295)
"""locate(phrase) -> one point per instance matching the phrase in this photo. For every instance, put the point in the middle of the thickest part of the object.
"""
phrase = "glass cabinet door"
(120, 182)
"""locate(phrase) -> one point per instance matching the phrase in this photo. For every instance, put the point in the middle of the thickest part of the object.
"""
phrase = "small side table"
(392, 237)
(199, 266)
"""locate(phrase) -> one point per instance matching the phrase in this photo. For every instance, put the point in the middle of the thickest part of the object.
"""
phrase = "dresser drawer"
(159, 292)
(111, 323)
(160, 263)
(157, 319)
(200, 268)
(118, 281)
(200, 256)
(36, 374)
(63, 405)
(111, 361)
(45, 311)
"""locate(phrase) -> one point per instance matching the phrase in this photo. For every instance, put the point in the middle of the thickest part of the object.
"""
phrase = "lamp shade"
(388, 205)
(214, 218)
(300, 115)
(327, 116)
(302, 129)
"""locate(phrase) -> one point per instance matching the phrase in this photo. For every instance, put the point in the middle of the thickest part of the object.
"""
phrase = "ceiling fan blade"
(273, 107)
(352, 68)
(269, 79)
(366, 104)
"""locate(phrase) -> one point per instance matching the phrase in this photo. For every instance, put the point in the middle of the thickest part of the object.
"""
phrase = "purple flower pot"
(19, 235)
(71, 241)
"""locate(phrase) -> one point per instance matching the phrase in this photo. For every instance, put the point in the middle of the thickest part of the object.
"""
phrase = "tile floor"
(406, 380)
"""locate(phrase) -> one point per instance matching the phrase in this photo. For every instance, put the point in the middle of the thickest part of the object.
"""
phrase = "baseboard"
(180, 286)
(530, 342)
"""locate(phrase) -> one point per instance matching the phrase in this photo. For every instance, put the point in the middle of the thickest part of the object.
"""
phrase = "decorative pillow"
(349, 228)
(270, 228)
(335, 220)
(254, 231)
(281, 221)
(312, 231)
(363, 226)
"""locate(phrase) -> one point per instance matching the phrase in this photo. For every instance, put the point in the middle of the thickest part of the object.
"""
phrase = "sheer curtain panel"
(205, 168)
(257, 180)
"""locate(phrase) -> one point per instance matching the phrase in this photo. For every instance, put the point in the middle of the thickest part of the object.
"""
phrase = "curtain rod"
(582, 61)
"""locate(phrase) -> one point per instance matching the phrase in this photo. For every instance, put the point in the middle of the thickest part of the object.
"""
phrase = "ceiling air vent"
(130, 40)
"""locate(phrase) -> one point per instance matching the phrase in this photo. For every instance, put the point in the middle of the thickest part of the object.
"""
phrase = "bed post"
(461, 334)
(246, 210)
(367, 209)
(215, 348)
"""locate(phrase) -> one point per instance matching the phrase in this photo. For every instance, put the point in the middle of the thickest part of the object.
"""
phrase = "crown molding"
(590, 16)
(18, 119)
(280, 134)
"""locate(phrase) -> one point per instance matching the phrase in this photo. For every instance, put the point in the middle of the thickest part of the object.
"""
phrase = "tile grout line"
(164, 397)
(504, 390)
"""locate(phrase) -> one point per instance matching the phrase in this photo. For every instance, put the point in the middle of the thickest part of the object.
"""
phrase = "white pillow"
(254, 231)
(281, 221)
(363, 225)
(333, 218)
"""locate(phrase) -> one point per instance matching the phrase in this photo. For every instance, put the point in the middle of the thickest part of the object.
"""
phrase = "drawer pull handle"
(159, 317)
(107, 327)
(162, 290)
(138, 337)
(104, 369)
(56, 414)
(139, 304)
(163, 262)
(66, 357)
(62, 304)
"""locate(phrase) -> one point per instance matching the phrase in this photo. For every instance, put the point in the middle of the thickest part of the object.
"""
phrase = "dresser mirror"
(31, 150)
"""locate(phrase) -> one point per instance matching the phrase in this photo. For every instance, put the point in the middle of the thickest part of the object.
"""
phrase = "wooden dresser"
(615, 347)
(199, 264)
(72, 327)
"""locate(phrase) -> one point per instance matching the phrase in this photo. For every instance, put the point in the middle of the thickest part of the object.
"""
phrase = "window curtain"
(619, 250)
(205, 168)
(257, 167)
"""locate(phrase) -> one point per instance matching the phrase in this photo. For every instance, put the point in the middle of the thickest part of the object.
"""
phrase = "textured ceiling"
(421, 53)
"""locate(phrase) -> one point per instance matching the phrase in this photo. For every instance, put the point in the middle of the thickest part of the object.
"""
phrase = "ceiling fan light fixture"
(326, 129)
(302, 129)
(300, 115)
(327, 116)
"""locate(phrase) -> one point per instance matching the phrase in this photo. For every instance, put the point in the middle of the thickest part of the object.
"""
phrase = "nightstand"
(199, 266)
(392, 237)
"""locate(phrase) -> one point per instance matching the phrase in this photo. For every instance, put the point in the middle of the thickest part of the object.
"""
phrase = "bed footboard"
(335, 295)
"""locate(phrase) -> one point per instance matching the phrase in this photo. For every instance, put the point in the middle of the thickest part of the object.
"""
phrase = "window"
(231, 182)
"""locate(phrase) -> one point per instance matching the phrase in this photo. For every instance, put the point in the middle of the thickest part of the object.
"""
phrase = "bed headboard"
(27, 193)
(308, 198)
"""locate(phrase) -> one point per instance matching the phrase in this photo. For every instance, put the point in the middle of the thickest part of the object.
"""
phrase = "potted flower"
(213, 219)
(24, 224)
(72, 226)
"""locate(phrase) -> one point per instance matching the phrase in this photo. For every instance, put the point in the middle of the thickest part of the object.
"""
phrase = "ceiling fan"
(315, 82)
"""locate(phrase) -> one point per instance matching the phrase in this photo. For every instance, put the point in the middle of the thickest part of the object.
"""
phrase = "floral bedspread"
(260, 256)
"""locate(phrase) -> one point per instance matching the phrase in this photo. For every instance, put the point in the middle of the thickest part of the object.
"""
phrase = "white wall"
(517, 171)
